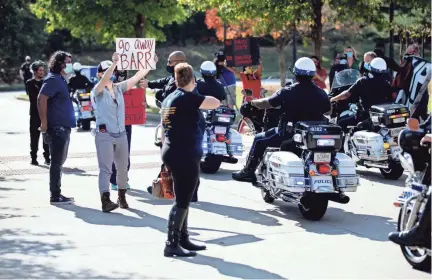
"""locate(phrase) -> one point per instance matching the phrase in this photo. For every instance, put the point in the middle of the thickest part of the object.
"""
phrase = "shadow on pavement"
(18, 254)
(238, 213)
(373, 177)
(74, 171)
(235, 239)
(231, 269)
(338, 222)
(221, 175)
(11, 189)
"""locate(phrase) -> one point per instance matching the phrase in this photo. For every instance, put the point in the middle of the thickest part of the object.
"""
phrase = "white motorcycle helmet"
(208, 68)
(378, 65)
(77, 67)
(304, 67)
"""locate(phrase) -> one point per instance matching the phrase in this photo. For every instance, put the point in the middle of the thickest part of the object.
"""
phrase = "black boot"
(247, 174)
(122, 199)
(184, 238)
(175, 223)
(107, 204)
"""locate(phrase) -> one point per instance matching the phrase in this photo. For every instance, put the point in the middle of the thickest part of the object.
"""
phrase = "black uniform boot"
(122, 199)
(184, 238)
(107, 204)
(247, 174)
(175, 223)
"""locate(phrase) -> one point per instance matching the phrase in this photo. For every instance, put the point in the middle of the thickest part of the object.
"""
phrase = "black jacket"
(79, 82)
(165, 85)
(211, 87)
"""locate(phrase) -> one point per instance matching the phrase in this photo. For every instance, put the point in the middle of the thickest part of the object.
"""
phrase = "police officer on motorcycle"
(79, 81)
(208, 85)
(372, 89)
(301, 101)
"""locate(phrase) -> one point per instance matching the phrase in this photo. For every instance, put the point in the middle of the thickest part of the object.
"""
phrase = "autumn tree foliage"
(241, 29)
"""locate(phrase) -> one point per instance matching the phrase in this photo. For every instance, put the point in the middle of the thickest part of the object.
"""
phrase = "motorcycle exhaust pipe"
(339, 198)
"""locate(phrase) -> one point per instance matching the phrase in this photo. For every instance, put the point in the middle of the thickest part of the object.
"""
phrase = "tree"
(20, 36)
(255, 17)
(107, 19)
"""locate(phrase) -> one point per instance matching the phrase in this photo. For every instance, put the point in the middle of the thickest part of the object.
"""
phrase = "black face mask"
(170, 69)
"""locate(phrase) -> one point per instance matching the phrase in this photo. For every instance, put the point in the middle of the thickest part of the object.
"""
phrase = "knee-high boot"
(184, 237)
(175, 224)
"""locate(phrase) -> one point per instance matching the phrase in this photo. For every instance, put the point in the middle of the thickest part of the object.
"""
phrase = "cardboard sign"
(242, 52)
(136, 53)
(135, 110)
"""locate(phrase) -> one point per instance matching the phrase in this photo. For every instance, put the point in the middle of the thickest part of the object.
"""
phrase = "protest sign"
(242, 52)
(136, 53)
(135, 109)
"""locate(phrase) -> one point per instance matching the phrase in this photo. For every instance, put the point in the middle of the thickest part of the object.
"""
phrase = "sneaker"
(61, 200)
(115, 187)
(47, 161)
(34, 162)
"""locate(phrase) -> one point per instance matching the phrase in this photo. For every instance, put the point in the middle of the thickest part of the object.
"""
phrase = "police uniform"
(166, 85)
(79, 81)
(209, 86)
(299, 102)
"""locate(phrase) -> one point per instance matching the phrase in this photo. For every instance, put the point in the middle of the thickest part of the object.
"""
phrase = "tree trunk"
(139, 26)
(391, 16)
(423, 44)
(280, 46)
(400, 45)
(294, 45)
(316, 30)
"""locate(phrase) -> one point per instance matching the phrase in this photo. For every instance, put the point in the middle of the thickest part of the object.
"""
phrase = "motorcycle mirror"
(413, 124)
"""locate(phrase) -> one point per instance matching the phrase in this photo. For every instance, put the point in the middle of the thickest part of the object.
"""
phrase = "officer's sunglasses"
(172, 61)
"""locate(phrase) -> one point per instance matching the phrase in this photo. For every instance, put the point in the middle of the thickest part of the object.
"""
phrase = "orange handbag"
(166, 183)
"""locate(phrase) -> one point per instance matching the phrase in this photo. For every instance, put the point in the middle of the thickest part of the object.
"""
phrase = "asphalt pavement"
(246, 237)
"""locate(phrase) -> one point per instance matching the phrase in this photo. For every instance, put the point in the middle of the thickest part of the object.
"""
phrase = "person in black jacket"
(391, 64)
(208, 85)
(166, 85)
(79, 81)
(340, 64)
(33, 87)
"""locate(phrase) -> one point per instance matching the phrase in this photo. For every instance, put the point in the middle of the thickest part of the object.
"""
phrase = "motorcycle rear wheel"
(417, 258)
(392, 173)
(210, 165)
(265, 194)
(314, 207)
(86, 125)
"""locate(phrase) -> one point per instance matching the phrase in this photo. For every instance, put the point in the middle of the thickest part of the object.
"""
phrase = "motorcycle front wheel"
(416, 257)
(246, 127)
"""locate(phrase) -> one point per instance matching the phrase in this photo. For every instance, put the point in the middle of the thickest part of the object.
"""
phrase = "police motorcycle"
(416, 159)
(317, 174)
(220, 142)
(371, 143)
(84, 112)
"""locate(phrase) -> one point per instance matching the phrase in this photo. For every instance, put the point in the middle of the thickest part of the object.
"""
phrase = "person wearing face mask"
(110, 137)
(352, 61)
(165, 85)
(25, 72)
(227, 79)
(33, 87)
(392, 66)
(251, 79)
(57, 118)
(365, 65)
(79, 81)
(340, 63)
(120, 76)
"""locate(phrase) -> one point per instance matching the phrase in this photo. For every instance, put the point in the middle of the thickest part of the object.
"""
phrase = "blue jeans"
(113, 179)
(58, 139)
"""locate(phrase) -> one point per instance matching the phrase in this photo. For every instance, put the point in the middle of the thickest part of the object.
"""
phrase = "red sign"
(135, 109)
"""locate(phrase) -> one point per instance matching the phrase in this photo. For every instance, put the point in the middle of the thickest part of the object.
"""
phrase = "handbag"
(166, 183)
(157, 188)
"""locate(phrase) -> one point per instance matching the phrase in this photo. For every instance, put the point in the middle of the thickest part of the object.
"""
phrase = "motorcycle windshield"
(345, 77)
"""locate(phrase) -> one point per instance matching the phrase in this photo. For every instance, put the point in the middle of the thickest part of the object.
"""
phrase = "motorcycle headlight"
(384, 131)
(407, 162)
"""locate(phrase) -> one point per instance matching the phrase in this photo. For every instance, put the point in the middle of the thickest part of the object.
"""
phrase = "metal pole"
(294, 47)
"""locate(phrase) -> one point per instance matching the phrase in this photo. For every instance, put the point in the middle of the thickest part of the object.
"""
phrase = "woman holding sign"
(182, 152)
(111, 140)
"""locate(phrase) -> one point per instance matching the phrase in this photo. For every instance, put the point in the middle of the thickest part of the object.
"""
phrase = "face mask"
(349, 54)
(68, 68)
(170, 69)
(366, 66)
(343, 61)
(112, 78)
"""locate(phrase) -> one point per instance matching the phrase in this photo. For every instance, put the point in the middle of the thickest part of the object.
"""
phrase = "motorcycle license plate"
(85, 103)
(399, 120)
(219, 149)
(220, 130)
(322, 157)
